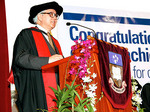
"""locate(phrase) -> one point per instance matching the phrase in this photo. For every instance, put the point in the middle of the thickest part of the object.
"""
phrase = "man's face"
(47, 21)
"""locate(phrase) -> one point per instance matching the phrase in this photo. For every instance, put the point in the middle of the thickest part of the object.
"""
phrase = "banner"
(115, 74)
(127, 29)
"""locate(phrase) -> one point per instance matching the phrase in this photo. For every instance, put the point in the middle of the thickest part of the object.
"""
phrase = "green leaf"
(54, 90)
(73, 83)
(59, 90)
(64, 97)
(64, 107)
(66, 110)
(77, 95)
(83, 104)
(56, 93)
(74, 87)
(89, 107)
(85, 99)
(68, 86)
(78, 109)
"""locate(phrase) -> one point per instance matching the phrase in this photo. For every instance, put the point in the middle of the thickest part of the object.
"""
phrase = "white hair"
(36, 18)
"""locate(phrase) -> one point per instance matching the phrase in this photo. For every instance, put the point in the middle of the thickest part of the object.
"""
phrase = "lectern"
(102, 102)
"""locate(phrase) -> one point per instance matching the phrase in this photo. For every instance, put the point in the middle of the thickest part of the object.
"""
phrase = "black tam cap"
(38, 8)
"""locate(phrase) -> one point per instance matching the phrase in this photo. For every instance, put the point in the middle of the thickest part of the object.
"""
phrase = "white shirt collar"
(41, 28)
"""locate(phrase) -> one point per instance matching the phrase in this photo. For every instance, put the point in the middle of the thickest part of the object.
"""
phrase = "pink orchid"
(82, 61)
(74, 47)
(82, 66)
(87, 54)
(77, 57)
(82, 73)
(73, 71)
(74, 61)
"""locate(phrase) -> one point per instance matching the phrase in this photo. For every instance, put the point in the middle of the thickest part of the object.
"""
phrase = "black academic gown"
(27, 73)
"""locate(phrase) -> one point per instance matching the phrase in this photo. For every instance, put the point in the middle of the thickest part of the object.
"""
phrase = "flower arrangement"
(68, 99)
(136, 97)
(83, 69)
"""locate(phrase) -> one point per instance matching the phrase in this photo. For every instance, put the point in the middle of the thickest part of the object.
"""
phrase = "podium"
(65, 78)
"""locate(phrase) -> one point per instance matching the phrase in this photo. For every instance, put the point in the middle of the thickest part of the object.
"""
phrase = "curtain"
(5, 97)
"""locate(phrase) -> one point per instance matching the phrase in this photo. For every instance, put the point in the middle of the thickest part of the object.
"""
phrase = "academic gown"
(26, 66)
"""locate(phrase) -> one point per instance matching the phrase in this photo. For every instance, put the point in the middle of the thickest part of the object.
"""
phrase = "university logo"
(116, 71)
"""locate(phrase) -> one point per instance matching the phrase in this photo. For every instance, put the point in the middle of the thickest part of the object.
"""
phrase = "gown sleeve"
(25, 54)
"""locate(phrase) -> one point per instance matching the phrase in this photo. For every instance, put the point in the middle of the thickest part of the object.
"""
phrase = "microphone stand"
(68, 24)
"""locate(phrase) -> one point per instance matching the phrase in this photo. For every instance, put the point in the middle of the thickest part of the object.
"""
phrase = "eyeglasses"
(51, 14)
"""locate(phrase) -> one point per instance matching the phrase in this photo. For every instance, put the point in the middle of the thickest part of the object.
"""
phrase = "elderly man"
(33, 48)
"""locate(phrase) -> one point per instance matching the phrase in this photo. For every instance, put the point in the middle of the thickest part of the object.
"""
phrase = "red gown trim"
(49, 78)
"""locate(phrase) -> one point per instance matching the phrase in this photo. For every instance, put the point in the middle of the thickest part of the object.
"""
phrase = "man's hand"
(54, 58)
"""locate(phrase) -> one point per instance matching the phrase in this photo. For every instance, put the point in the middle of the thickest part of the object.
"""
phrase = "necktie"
(50, 40)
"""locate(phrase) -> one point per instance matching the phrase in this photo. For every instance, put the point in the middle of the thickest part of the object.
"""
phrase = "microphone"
(68, 24)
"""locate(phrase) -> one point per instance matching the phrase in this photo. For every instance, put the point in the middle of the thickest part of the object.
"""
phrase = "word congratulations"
(140, 54)
(118, 37)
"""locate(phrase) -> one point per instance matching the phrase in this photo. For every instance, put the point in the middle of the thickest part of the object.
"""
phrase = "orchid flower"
(86, 79)
(94, 75)
(90, 94)
(73, 71)
(92, 87)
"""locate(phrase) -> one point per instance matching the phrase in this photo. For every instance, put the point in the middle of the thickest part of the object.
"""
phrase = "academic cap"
(41, 7)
